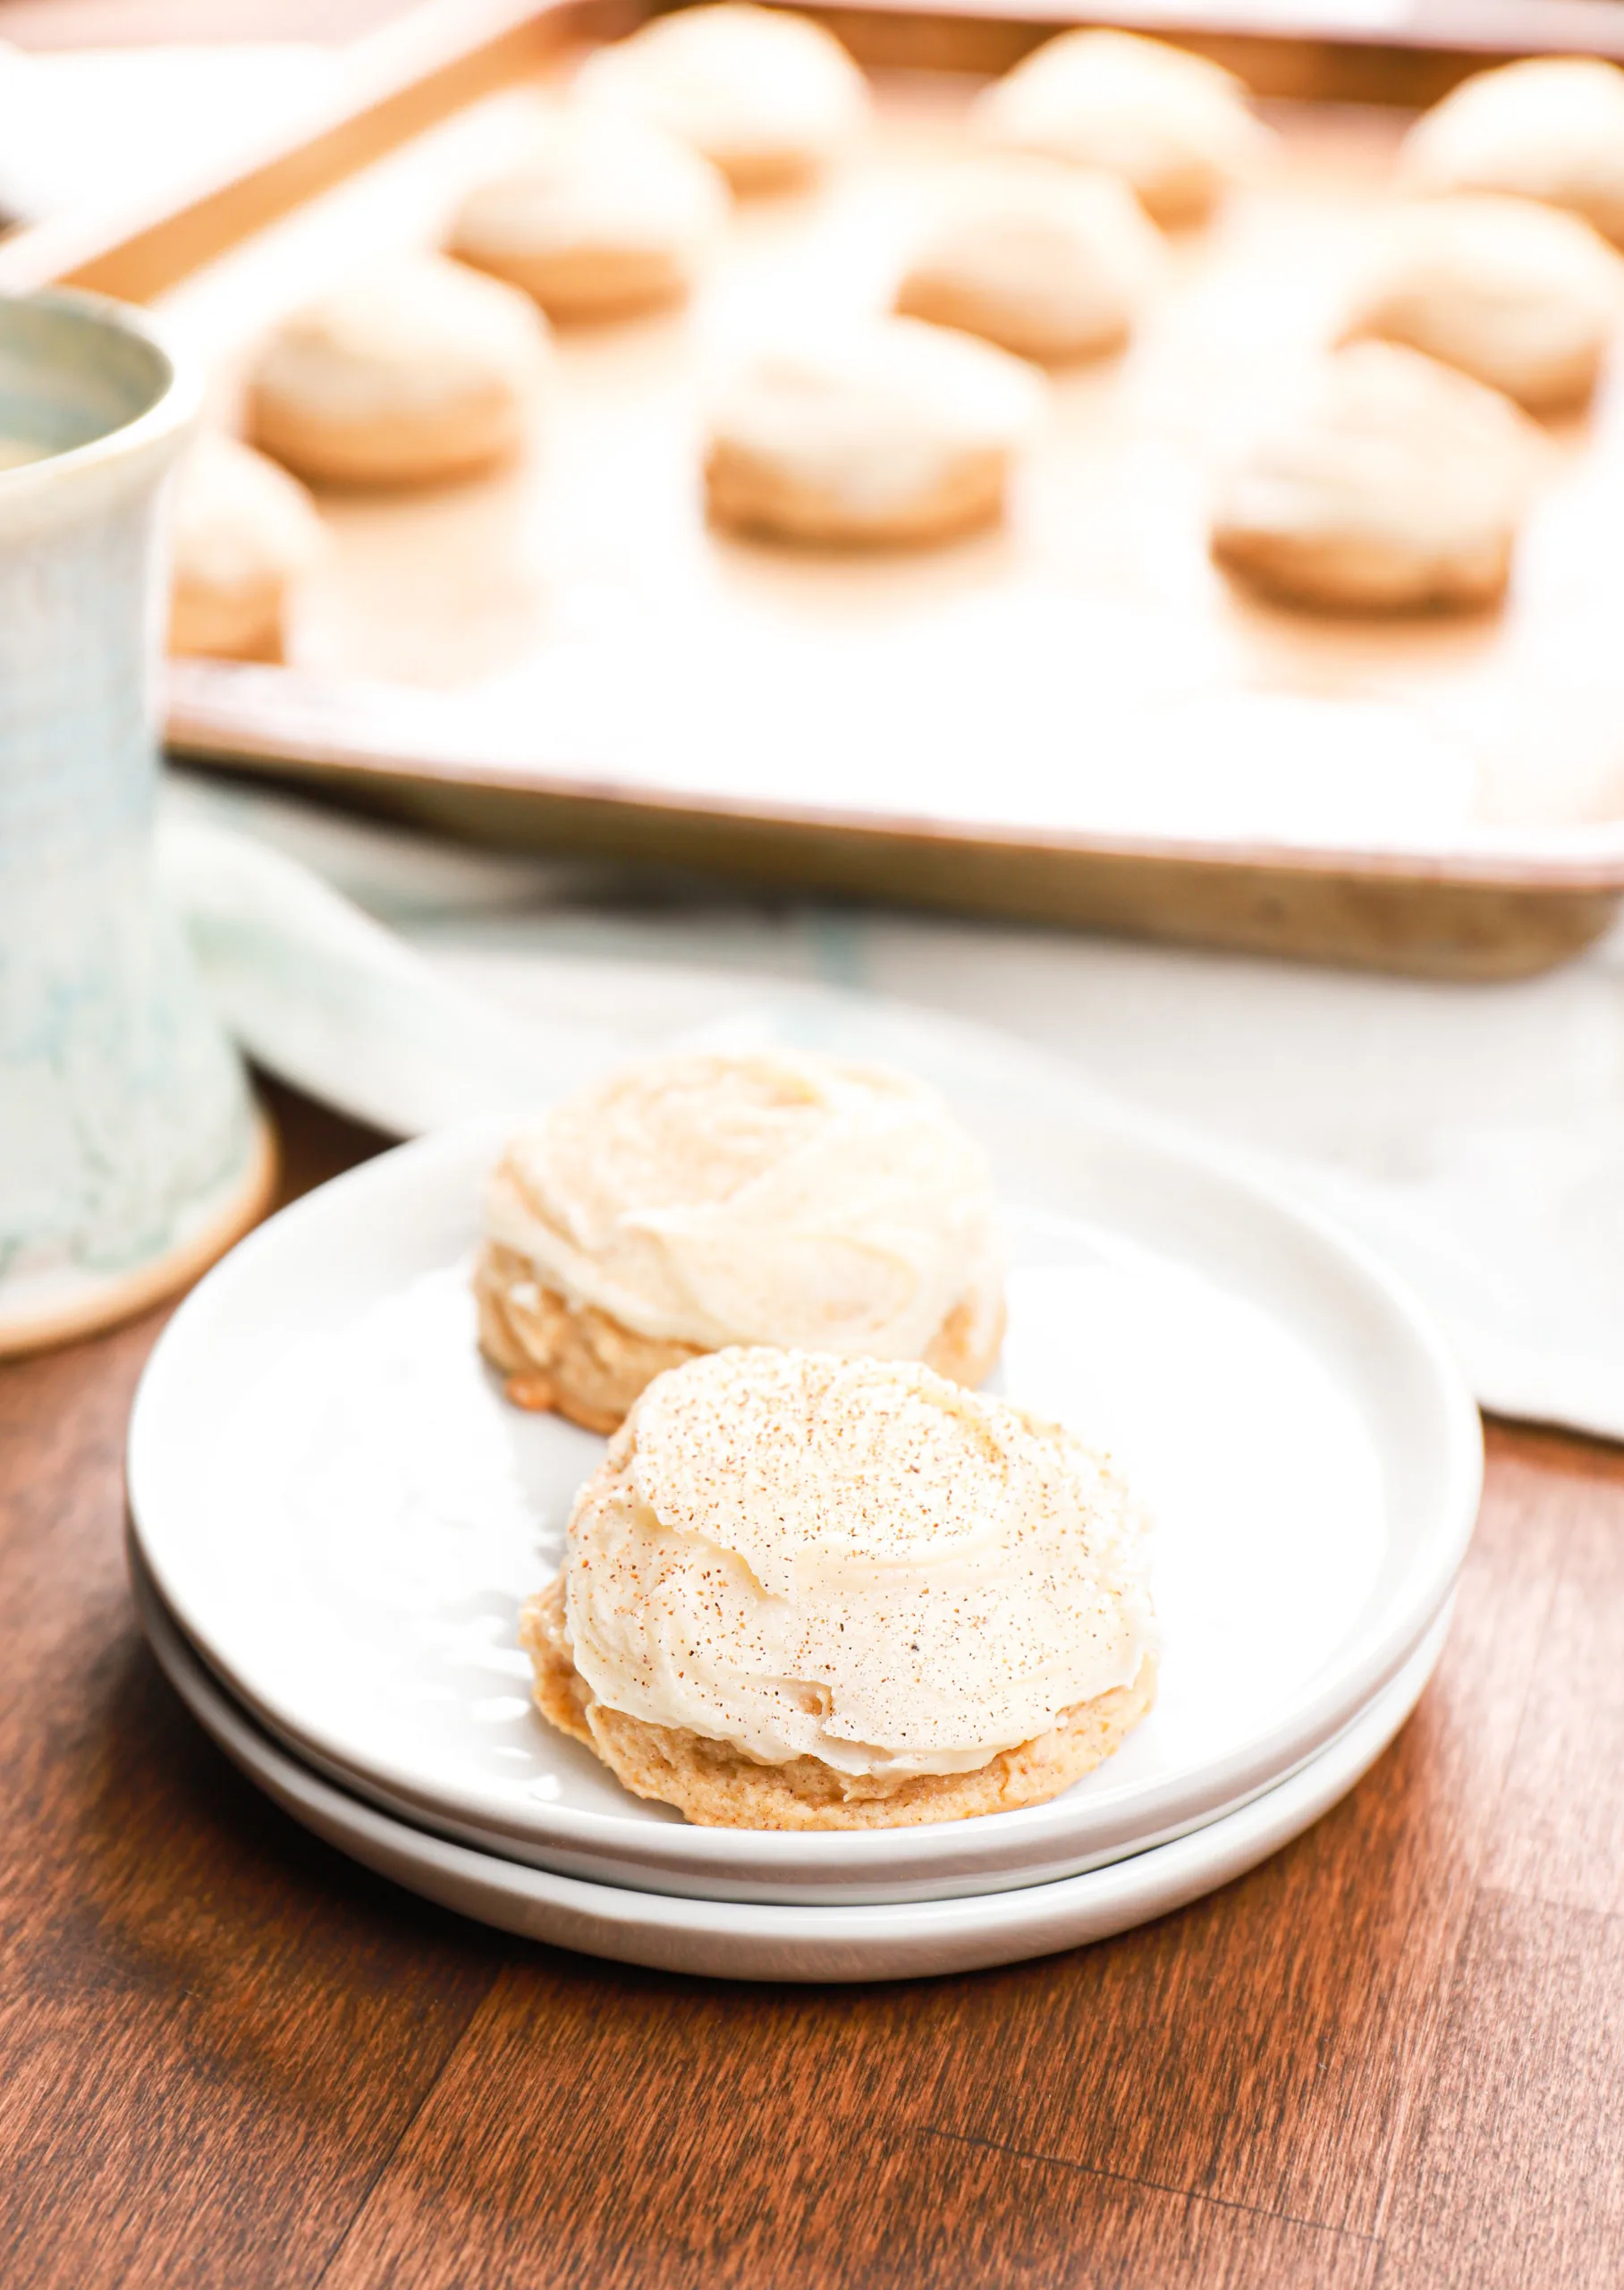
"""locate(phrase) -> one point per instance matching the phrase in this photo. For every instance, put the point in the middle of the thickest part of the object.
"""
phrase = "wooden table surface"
(1394, 2055)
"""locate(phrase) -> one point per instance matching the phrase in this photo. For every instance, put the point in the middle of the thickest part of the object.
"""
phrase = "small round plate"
(344, 1515)
(729, 1939)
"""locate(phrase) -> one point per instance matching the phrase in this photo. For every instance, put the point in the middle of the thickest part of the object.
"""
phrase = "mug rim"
(176, 404)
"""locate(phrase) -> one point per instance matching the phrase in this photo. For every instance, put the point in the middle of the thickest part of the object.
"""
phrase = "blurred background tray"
(1077, 719)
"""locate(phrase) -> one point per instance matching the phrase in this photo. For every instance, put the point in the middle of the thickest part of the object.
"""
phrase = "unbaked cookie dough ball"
(242, 532)
(1551, 128)
(412, 372)
(1521, 297)
(1397, 483)
(607, 218)
(890, 432)
(768, 96)
(1051, 262)
(1174, 126)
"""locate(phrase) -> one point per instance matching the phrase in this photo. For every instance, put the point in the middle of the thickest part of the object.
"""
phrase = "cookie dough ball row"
(418, 372)
(426, 370)
(1400, 478)
(624, 196)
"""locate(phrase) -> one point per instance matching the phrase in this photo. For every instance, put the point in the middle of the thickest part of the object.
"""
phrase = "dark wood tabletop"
(1394, 2055)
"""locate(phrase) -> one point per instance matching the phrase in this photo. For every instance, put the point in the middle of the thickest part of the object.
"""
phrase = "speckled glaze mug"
(129, 1149)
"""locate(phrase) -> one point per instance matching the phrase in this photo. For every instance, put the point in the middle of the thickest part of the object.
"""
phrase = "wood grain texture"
(1518, 2175)
(1554, 1841)
(1254, 2055)
(212, 2032)
(1392, 2056)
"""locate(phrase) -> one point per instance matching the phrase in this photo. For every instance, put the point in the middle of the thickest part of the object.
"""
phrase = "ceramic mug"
(129, 1149)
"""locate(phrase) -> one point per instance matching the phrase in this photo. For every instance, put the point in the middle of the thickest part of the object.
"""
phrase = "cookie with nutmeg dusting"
(804, 1592)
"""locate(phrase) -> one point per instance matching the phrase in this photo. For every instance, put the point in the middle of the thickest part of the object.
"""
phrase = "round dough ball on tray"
(890, 431)
(242, 533)
(1524, 298)
(411, 373)
(770, 98)
(1551, 128)
(1395, 485)
(607, 218)
(1049, 261)
(1175, 127)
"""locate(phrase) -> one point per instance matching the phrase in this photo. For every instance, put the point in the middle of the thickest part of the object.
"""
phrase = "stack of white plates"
(336, 1516)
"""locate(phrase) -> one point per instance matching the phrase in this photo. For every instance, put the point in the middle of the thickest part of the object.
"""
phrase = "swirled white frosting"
(853, 1560)
(765, 1198)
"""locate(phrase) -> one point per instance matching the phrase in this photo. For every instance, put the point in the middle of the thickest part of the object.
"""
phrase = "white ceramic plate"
(753, 1940)
(344, 1515)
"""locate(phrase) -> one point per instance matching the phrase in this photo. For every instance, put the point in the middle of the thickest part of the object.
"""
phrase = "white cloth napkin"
(1475, 1135)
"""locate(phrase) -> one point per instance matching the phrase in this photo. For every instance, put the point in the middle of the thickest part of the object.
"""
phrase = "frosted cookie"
(242, 532)
(1174, 127)
(694, 1202)
(808, 1593)
(1049, 261)
(1521, 297)
(768, 96)
(411, 372)
(1551, 128)
(1397, 483)
(892, 431)
(607, 218)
